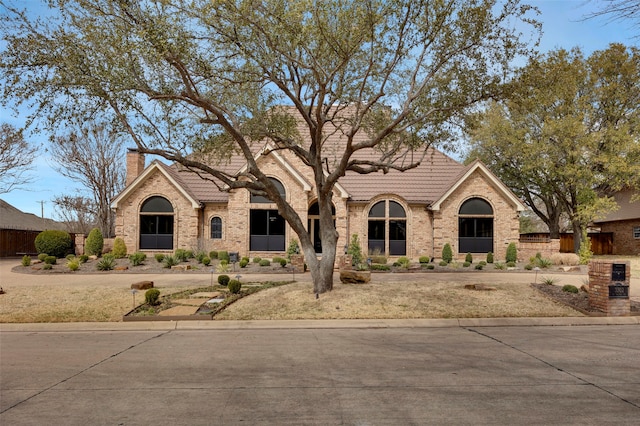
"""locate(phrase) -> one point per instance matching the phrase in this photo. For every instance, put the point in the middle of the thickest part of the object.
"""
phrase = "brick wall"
(528, 249)
(599, 281)
(623, 241)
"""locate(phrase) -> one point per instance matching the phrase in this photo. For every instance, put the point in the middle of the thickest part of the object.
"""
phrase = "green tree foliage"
(119, 248)
(512, 253)
(95, 243)
(54, 243)
(447, 253)
(16, 158)
(355, 250)
(196, 84)
(567, 138)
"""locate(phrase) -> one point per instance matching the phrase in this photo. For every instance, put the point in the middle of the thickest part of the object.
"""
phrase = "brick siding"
(623, 241)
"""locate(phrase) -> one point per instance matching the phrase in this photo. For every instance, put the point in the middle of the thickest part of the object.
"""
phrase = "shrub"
(528, 266)
(159, 257)
(73, 264)
(137, 258)
(500, 266)
(512, 253)
(265, 262)
(479, 266)
(234, 286)
(379, 267)
(565, 259)
(548, 281)
(570, 288)
(95, 243)
(47, 266)
(180, 255)
(447, 253)
(379, 259)
(42, 256)
(483, 263)
(355, 250)
(54, 243)
(119, 248)
(222, 267)
(70, 256)
(511, 264)
(432, 266)
(201, 255)
(424, 259)
(205, 261)
(107, 263)
(404, 261)
(169, 261)
(223, 280)
(294, 248)
(443, 263)
(224, 255)
(281, 261)
(213, 254)
(466, 264)
(244, 263)
(585, 254)
(244, 258)
(83, 258)
(51, 260)
(224, 262)
(543, 263)
(468, 258)
(490, 257)
(257, 259)
(190, 254)
(26, 260)
(151, 296)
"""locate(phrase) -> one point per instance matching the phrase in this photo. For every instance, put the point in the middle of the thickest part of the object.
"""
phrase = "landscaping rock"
(121, 268)
(479, 287)
(142, 285)
(181, 267)
(355, 277)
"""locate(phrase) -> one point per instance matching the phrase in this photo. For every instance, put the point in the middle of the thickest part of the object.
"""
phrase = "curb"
(317, 324)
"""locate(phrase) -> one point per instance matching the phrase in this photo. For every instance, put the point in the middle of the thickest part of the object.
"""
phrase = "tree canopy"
(567, 137)
(197, 81)
(16, 159)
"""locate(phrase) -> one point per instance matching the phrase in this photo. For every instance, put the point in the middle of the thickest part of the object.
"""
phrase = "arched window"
(216, 228)
(261, 199)
(388, 228)
(156, 224)
(475, 226)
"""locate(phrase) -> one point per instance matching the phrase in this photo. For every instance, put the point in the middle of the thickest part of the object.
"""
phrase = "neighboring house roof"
(627, 210)
(12, 218)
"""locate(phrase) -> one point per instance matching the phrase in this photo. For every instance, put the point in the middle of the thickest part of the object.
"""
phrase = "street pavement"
(321, 373)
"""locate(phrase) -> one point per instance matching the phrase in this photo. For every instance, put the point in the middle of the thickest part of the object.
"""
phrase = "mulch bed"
(578, 301)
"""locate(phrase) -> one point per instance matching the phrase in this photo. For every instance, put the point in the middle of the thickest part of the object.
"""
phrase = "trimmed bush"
(47, 266)
(223, 280)
(404, 261)
(379, 267)
(51, 260)
(42, 257)
(257, 259)
(570, 288)
(468, 258)
(479, 266)
(447, 253)
(282, 262)
(119, 248)
(234, 286)
(490, 257)
(424, 259)
(95, 243)
(205, 261)
(431, 266)
(511, 264)
(466, 264)
(512, 253)
(224, 262)
(213, 254)
(443, 263)
(483, 263)
(201, 255)
(244, 263)
(151, 296)
(170, 261)
(26, 260)
(265, 262)
(528, 266)
(245, 258)
(83, 258)
(224, 255)
(137, 258)
(54, 243)
(159, 257)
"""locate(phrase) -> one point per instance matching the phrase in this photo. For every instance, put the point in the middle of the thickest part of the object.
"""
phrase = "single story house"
(623, 223)
(413, 213)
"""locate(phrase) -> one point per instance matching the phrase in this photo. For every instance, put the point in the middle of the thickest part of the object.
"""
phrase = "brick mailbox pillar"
(297, 261)
(609, 286)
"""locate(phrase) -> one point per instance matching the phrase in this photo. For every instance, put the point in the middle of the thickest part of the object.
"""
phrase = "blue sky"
(563, 27)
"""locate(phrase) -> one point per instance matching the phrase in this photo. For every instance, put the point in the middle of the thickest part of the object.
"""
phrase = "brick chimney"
(135, 164)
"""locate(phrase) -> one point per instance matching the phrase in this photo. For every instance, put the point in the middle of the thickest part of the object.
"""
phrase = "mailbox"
(618, 291)
(618, 272)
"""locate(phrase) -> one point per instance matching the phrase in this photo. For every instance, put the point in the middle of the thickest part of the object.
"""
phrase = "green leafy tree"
(196, 84)
(567, 137)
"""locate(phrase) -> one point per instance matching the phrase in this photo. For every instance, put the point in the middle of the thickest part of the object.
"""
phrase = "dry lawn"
(381, 300)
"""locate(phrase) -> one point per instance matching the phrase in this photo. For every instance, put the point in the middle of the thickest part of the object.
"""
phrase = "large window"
(156, 224)
(387, 228)
(216, 228)
(475, 227)
(267, 231)
(636, 232)
(261, 199)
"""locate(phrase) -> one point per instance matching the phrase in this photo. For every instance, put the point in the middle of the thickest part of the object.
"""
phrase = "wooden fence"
(17, 242)
(601, 242)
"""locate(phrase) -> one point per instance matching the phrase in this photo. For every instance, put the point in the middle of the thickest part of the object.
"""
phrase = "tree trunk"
(577, 237)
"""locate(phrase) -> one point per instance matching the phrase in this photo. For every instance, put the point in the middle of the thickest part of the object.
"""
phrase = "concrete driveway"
(587, 375)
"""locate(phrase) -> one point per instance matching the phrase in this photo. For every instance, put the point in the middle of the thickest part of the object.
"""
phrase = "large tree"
(16, 159)
(93, 156)
(195, 81)
(567, 137)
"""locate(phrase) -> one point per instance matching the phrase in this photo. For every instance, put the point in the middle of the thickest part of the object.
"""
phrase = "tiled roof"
(423, 184)
(628, 210)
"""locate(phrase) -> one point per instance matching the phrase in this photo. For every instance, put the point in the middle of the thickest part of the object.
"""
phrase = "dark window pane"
(314, 210)
(216, 228)
(376, 230)
(377, 210)
(396, 210)
(267, 231)
(165, 225)
(148, 224)
(261, 199)
(397, 230)
(156, 232)
(156, 205)
(258, 224)
(467, 227)
(476, 206)
(276, 223)
(484, 227)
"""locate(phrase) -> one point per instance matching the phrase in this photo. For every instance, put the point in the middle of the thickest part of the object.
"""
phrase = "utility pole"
(42, 213)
